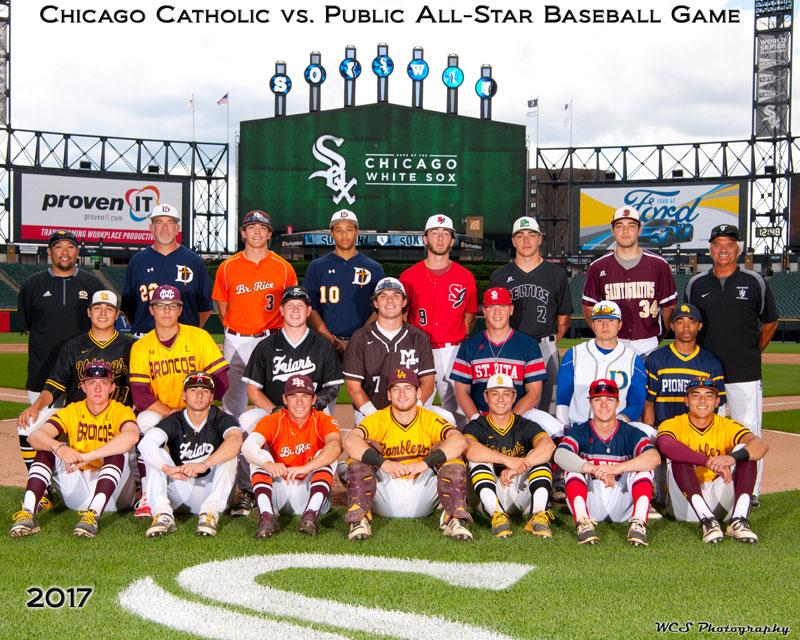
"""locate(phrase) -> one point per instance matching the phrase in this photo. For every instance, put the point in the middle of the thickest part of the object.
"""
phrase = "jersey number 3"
(648, 309)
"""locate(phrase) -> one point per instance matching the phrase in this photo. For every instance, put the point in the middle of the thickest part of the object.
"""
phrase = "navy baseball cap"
(58, 236)
(687, 310)
(296, 293)
(257, 217)
(166, 293)
(97, 369)
(725, 231)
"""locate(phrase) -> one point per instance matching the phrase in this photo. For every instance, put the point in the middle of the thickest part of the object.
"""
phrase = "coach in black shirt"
(739, 320)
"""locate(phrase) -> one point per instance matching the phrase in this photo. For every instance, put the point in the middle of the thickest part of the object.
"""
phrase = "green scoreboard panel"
(392, 165)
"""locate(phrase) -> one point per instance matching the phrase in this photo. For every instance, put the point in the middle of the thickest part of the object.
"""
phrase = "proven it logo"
(141, 201)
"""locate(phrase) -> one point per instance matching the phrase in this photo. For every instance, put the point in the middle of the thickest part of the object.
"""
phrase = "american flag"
(223, 100)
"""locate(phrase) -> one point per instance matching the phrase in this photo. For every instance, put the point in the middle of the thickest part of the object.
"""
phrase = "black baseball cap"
(58, 236)
(198, 379)
(702, 382)
(725, 231)
(296, 293)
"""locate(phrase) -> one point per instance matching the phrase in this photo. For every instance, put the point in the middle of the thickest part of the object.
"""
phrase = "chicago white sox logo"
(408, 358)
(185, 274)
(362, 276)
(336, 173)
(457, 294)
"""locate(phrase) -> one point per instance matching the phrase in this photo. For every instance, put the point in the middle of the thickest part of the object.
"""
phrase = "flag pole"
(193, 135)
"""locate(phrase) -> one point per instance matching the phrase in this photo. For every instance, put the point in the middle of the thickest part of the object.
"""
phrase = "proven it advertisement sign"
(114, 210)
(671, 214)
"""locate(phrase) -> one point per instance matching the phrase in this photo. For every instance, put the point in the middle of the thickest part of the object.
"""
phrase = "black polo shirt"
(53, 309)
(732, 317)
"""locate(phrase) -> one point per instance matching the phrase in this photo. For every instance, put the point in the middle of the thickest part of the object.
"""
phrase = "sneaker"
(754, 502)
(586, 532)
(712, 532)
(88, 524)
(244, 504)
(206, 524)
(637, 533)
(653, 514)
(25, 524)
(456, 528)
(739, 529)
(46, 502)
(360, 530)
(539, 524)
(501, 528)
(308, 523)
(267, 526)
(142, 509)
(163, 524)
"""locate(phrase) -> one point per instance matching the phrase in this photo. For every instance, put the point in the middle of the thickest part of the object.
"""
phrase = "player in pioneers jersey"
(161, 361)
(712, 465)
(293, 455)
(165, 262)
(92, 470)
(442, 302)
(341, 284)
(197, 470)
(609, 468)
(639, 281)
(509, 460)
(403, 461)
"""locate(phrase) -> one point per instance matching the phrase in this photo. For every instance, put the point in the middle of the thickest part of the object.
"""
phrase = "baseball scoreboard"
(394, 166)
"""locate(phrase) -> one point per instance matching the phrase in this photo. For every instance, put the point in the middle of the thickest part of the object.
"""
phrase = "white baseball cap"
(500, 381)
(626, 213)
(388, 284)
(343, 215)
(606, 309)
(165, 210)
(526, 222)
(440, 221)
(105, 297)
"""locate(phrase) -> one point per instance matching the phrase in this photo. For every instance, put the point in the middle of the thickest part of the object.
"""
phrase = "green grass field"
(610, 590)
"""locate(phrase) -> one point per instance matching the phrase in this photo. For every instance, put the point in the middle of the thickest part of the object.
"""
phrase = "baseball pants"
(745, 405)
(237, 351)
(547, 422)
(547, 401)
(210, 493)
(147, 420)
(515, 499)
(719, 497)
(77, 488)
(292, 498)
(415, 497)
(642, 347)
(443, 359)
(613, 504)
(44, 415)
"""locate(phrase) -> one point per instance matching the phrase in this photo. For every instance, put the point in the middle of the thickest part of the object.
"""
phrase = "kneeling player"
(703, 486)
(421, 468)
(92, 471)
(609, 468)
(509, 462)
(292, 455)
(197, 470)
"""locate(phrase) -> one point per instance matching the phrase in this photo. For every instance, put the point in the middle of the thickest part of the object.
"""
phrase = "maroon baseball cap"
(166, 293)
(257, 217)
(97, 369)
(403, 374)
(298, 384)
(497, 295)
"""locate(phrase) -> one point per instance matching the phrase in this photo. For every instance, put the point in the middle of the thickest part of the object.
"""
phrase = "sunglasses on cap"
(97, 371)
(603, 389)
(199, 380)
(699, 383)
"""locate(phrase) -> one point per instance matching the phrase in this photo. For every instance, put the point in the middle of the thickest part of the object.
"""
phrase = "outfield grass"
(607, 591)
(11, 409)
(13, 338)
(788, 421)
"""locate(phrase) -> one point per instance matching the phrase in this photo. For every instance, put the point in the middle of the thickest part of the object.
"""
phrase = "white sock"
(641, 508)
(540, 497)
(29, 502)
(489, 502)
(579, 505)
(315, 504)
(97, 503)
(742, 507)
(700, 507)
(264, 504)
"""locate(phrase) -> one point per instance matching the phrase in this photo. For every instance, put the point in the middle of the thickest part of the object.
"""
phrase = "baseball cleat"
(360, 530)
(244, 504)
(267, 526)
(653, 514)
(206, 524)
(25, 524)
(586, 532)
(712, 532)
(539, 524)
(501, 528)
(163, 524)
(88, 524)
(456, 528)
(308, 523)
(637, 533)
(142, 509)
(739, 529)
(46, 502)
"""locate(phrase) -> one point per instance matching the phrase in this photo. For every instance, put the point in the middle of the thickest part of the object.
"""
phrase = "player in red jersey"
(442, 302)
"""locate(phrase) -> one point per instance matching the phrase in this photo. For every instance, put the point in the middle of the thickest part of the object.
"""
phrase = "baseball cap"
(298, 384)
(343, 215)
(105, 297)
(165, 293)
(525, 223)
(702, 382)
(97, 369)
(296, 293)
(58, 236)
(725, 231)
(389, 284)
(403, 374)
(257, 217)
(165, 210)
(687, 310)
(198, 379)
(626, 213)
(606, 310)
(499, 381)
(496, 295)
(440, 221)
(603, 387)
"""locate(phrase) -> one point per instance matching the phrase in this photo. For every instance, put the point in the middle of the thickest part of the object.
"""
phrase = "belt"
(261, 334)
(343, 338)
(548, 339)
(444, 345)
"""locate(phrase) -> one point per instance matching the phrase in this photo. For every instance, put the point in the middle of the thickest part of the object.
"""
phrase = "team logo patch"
(408, 358)
(83, 295)
(185, 274)
(362, 276)
(742, 293)
(457, 295)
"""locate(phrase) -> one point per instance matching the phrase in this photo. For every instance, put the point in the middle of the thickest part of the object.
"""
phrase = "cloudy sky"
(629, 83)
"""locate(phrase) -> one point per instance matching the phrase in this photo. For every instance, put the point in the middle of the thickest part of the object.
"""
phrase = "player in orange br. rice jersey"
(292, 455)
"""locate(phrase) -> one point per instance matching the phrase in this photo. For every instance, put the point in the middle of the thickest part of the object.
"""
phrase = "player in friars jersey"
(165, 262)
(341, 284)
(639, 281)
(196, 471)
